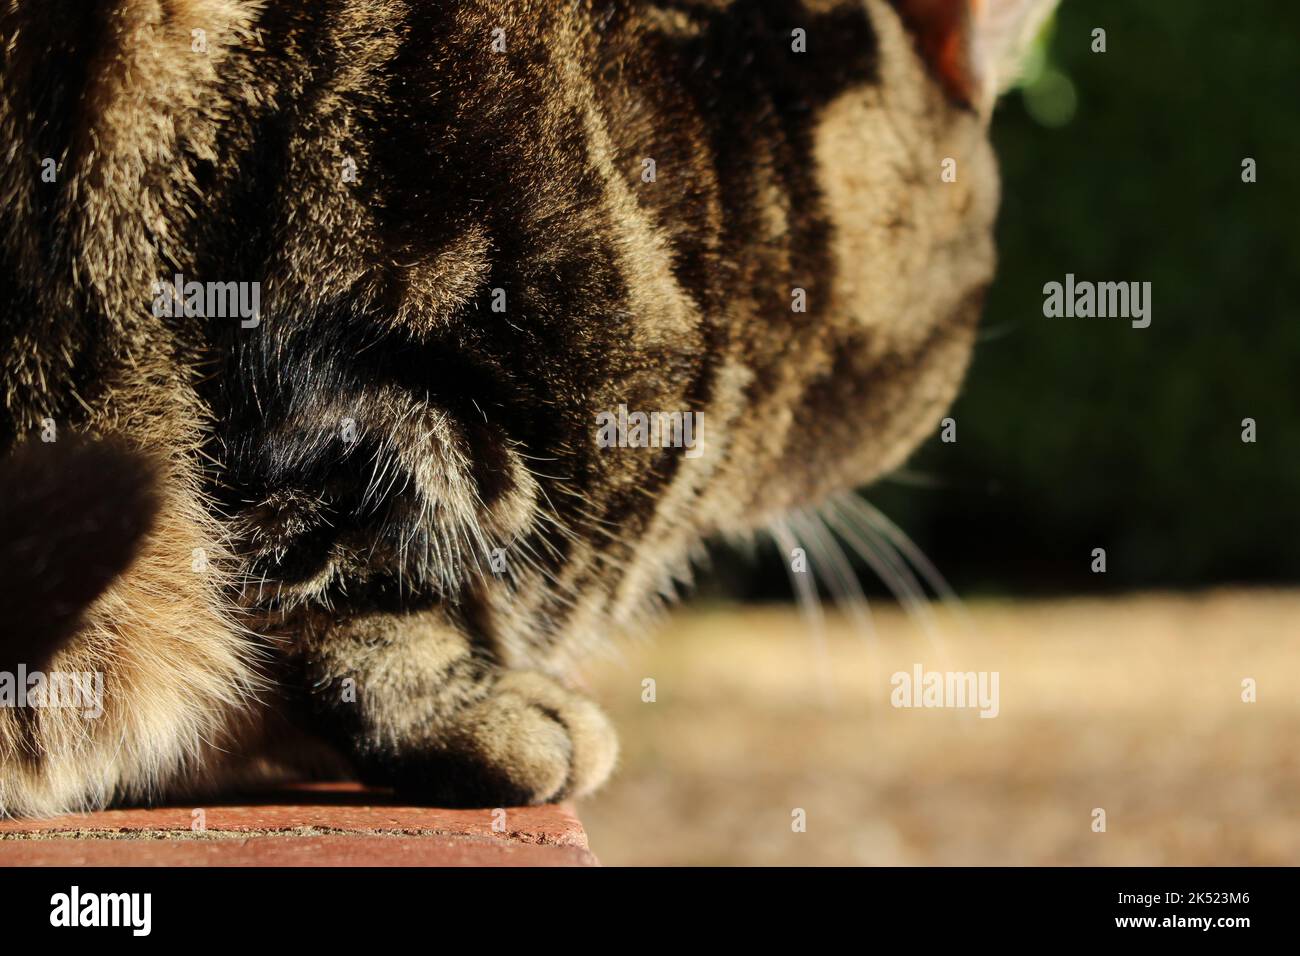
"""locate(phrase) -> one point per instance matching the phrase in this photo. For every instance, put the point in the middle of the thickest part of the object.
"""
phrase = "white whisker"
(839, 575)
(805, 589)
(908, 548)
(881, 556)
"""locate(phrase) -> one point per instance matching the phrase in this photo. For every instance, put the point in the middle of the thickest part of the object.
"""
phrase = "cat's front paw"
(530, 741)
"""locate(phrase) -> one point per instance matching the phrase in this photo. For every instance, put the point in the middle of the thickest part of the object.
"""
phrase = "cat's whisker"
(909, 550)
(805, 590)
(838, 573)
(880, 555)
(915, 479)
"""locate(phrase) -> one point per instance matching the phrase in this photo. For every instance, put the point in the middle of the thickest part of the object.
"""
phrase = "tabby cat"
(310, 312)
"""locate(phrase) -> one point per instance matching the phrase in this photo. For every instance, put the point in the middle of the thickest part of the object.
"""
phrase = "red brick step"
(307, 825)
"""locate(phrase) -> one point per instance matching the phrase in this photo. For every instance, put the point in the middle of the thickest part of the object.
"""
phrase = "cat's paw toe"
(530, 741)
(589, 749)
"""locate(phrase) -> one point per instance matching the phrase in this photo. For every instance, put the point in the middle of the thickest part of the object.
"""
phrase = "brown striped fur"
(346, 612)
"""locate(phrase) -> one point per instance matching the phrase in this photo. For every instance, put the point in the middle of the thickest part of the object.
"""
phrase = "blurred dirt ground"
(1133, 705)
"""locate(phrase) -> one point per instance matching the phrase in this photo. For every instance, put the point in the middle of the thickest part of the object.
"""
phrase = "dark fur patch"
(72, 515)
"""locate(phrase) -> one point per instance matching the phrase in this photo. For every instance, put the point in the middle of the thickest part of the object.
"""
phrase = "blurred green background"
(1082, 433)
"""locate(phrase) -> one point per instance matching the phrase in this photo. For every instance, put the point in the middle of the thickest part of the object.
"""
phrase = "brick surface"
(311, 825)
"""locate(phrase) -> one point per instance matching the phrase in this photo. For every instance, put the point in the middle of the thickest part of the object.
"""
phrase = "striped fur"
(352, 463)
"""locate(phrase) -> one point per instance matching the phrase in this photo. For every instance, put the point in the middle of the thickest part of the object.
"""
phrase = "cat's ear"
(974, 47)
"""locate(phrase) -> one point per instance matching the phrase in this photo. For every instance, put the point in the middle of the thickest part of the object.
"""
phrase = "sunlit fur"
(350, 614)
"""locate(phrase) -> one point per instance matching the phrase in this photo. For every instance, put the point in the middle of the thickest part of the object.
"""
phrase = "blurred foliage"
(1081, 433)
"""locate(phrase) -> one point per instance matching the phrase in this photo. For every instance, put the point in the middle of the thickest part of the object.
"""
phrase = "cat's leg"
(420, 708)
(121, 676)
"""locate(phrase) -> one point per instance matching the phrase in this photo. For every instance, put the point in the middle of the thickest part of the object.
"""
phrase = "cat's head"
(540, 316)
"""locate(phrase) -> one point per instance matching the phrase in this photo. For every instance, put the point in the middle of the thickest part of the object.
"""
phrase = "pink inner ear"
(941, 29)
